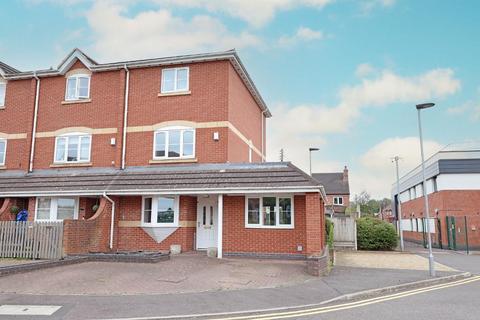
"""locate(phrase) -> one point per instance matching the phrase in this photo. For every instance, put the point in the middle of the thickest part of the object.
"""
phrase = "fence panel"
(344, 231)
(31, 240)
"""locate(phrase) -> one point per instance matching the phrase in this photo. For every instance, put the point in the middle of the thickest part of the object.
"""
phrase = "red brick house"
(337, 189)
(142, 155)
(453, 188)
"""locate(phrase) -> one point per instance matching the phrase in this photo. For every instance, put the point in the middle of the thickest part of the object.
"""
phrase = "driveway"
(184, 273)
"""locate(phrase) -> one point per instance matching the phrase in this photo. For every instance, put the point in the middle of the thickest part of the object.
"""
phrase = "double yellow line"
(350, 305)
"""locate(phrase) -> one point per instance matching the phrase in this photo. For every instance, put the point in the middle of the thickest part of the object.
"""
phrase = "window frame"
(338, 202)
(77, 96)
(2, 99)
(54, 208)
(153, 214)
(277, 225)
(4, 152)
(175, 89)
(167, 131)
(67, 136)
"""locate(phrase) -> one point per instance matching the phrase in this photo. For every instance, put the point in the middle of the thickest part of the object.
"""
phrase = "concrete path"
(386, 260)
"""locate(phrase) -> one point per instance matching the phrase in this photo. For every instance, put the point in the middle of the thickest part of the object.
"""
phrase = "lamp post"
(310, 153)
(399, 211)
(431, 260)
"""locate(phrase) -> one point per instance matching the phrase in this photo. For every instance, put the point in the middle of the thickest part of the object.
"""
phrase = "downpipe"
(112, 222)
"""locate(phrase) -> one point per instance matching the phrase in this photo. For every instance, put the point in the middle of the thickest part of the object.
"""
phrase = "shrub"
(375, 234)
(14, 210)
(329, 232)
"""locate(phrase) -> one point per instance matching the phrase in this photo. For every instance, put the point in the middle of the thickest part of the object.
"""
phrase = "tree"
(368, 206)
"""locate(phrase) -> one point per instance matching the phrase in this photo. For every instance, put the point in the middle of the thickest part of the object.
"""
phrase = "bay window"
(160, 211)
(78, 87)
(174, 142)
(74, 147)
(269, 212)
(52, 209)
(175, 80)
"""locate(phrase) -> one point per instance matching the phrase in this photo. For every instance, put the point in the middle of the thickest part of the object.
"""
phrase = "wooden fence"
(31, 240)
(344, 232)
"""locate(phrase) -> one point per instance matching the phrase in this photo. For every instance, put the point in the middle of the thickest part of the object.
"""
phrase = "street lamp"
(310, 153)
(431, 260)
(399, 207)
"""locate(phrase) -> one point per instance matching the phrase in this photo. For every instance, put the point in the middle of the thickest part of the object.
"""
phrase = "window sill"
(270, 227)
(173, 161)
(76, 101)
(177, 93)
(3, 167)
(66, 165)
(2, 107)
(158, 225)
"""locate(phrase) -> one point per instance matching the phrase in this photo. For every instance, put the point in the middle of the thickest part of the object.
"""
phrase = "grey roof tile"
(195, 177)
(332, 182)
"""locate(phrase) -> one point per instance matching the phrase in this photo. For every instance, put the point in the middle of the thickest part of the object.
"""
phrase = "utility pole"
(399, 207)
(281, 155)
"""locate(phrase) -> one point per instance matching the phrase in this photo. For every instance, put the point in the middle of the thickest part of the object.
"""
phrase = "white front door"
(206, 222)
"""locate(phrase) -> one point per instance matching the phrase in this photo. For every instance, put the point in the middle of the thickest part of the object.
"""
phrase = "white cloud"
(376, 172)
(303, 34)
(470, 107)
(369, 5)
(296, 128)
(256, 12)
(364, 70)
(158, 33)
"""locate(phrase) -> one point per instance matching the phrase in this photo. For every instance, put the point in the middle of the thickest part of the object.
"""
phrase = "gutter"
(112, 222)
(125, 117)
(34, 129)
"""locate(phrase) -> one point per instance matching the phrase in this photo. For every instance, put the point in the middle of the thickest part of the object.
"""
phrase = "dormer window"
(175, 80)
(73, 148)
(78, 87)
(3, 90)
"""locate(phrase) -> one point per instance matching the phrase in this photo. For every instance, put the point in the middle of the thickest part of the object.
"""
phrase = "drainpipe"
(263, 136)
(34, 129)
(124, 139)
(112, 222)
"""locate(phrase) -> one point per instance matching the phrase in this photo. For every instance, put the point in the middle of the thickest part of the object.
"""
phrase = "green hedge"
(375, 234)
(329, 232)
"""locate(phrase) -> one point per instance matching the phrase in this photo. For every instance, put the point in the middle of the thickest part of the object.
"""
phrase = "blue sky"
(342, 75)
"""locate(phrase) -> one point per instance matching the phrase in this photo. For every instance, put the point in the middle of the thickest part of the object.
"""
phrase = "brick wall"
(135, 238)
(457, 203)
(217, 94)
(238, 239)
(91, 235)
(346, 199)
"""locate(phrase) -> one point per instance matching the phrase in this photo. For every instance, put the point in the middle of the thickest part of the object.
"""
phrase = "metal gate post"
(466, 234)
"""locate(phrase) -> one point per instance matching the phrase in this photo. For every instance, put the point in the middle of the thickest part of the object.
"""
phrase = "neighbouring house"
(453, 188)
(337, 190)
(146, 154)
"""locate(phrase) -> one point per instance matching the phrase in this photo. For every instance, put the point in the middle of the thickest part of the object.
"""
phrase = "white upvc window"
(269, 212)
(3, 151)
(338, 200)
(175, 80)
(160, 211)
(3, 91)
(174, 143)
(73, 147)
(78, 87)
(56, 208)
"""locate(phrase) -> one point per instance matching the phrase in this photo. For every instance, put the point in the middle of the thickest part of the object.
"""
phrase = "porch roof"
(173, 179)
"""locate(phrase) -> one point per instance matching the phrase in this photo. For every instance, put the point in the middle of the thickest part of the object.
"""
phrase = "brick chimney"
(345, 174)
